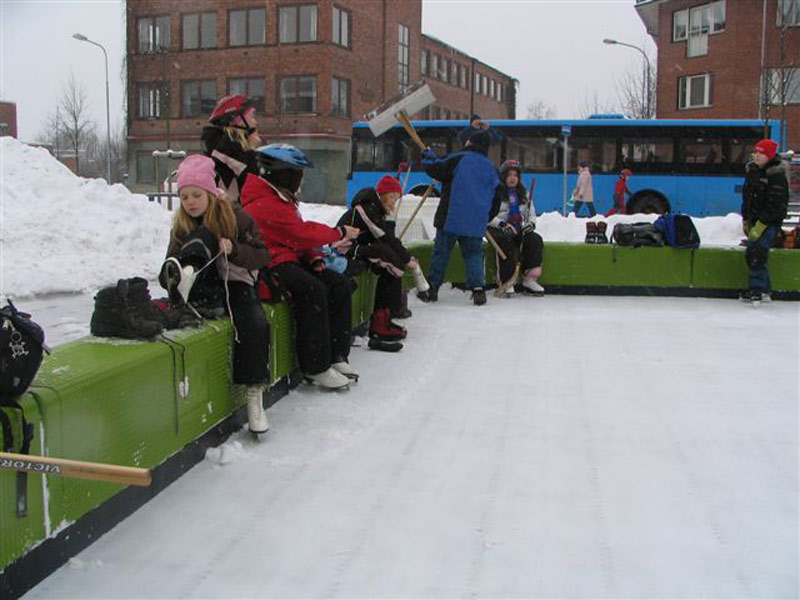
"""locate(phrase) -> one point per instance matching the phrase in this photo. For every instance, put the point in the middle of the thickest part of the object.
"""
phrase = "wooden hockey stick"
(497, 248)
(402, 116)
(77, 469)
(416, 210)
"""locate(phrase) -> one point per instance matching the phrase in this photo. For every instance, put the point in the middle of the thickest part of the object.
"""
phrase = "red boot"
(382, 328)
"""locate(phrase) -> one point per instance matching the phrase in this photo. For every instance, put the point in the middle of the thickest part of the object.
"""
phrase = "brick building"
(727, 59)
(314, 66)
(8, 119)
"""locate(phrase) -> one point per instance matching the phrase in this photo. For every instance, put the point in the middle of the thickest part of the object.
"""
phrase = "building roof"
(648, 13)
(454, 49)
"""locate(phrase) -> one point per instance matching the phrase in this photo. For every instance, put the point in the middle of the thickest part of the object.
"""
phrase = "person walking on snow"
(620, 191)
(230, 239)
(583, 193)
(320, 298)
(512, 226)
(468, 183)
(765, 199)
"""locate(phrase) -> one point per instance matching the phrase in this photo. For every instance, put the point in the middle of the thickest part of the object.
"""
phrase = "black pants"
(526, 248)
(389, 292)
(321, 308)
(251, 352)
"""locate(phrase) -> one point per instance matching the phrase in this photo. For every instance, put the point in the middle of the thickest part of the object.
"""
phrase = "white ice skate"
(346, 369)
(330, 379)
(256, 415)
(420, 282)
(532, 286)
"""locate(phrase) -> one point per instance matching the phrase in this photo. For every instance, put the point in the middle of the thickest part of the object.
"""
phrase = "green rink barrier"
(131, 403)
(569, 267)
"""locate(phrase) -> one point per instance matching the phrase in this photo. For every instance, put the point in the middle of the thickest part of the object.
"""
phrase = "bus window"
(600, 153)
(740, 153)
(701, 151)
(648, 155)
(534, 153)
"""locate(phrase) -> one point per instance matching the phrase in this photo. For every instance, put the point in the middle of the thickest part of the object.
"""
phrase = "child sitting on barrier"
(512, 224)
(378, 247)
(320, 298)
(207, 225)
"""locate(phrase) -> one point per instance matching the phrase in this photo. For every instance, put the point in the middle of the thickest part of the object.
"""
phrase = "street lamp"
(83, 38)
(647, 74)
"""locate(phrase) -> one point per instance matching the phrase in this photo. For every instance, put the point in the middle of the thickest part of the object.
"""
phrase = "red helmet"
(229, 108)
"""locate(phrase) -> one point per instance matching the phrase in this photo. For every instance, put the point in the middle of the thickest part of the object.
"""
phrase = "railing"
(165, 199)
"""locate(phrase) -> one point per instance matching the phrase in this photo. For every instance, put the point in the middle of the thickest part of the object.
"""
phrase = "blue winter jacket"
(468, 183)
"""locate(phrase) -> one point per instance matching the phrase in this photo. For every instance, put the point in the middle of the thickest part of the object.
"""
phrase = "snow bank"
(63, 233)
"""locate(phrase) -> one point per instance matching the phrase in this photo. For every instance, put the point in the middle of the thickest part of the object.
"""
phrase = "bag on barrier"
(636, 235)
(21, 348)
(678, 230)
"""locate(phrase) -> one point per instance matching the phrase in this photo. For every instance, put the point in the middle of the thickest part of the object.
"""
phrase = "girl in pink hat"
(216, 249)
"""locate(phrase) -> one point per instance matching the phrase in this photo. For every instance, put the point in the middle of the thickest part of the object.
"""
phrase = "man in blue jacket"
(468, 183)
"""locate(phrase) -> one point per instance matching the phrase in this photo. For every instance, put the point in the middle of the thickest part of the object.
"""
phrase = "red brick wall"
(734, 57)
(8, 115)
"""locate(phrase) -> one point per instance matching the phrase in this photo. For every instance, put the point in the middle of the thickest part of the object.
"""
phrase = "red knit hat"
(388, 185)
(767, 147)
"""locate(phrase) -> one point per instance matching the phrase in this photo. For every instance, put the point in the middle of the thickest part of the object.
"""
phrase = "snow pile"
(63, 233)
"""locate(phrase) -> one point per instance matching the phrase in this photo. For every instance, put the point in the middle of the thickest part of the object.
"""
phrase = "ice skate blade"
(315, 385)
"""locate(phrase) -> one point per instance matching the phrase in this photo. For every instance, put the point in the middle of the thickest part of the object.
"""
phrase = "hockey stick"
(77, 469)
(416, 210)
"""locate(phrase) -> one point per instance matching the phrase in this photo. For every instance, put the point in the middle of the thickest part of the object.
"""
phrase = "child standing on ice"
(207, 221)
(620, 191)
(512, 226)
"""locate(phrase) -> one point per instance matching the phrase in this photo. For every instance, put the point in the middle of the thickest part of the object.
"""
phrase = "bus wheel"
(649, 204)
(418, 190)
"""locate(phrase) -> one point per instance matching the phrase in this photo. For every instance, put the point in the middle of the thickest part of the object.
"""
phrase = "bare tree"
(74, 108)
(592, 105)
(636, 90)
(539, 110)
(95, 153)
(780, 83)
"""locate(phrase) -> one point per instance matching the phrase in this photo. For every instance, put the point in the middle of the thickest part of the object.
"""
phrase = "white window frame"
(680, 18)
(340, 34)
(793, 83)
(684, 103)
(710, 21)
(793, 7)
(403, 56)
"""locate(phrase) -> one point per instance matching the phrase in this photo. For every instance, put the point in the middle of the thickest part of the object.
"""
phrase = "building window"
(297, 24)
(783, 86)
(499, 92)
(695, 91)
(477, 83)
(200, 31)
(423, 62)
(403, 49)
(435, 66)
(491, 89)
(340, 97)
(696, 23)
(463, 76)
(247, 27)
(145, 168)
(341, 27)
(298, 95)
(680, 25)
(153, 34)
(445, 70)
(788, 13)
(153, 100)
(252, 87)
(485, 86)
(198, 98)
(454, 73)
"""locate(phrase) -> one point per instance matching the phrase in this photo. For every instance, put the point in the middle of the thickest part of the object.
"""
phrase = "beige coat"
(583, 189)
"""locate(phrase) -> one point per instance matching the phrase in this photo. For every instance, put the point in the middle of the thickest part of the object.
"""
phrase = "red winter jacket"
(288, 237)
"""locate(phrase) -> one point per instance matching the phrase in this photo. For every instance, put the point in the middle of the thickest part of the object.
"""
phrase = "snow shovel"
(397, 109)
(77, 469)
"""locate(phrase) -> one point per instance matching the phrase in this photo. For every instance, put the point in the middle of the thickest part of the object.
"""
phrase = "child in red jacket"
(620, 191)
(320, 297)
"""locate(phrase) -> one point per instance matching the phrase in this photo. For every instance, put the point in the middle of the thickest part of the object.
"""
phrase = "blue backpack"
(678, 230)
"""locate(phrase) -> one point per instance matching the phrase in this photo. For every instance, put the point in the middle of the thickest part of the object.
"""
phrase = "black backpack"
(21, 352)
(678, 230)
(636, 235)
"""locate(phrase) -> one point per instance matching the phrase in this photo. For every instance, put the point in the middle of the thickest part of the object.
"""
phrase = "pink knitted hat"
(198, 170)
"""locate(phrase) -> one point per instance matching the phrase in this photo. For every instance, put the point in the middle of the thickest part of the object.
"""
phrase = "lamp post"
(647, 74)
(83, 38)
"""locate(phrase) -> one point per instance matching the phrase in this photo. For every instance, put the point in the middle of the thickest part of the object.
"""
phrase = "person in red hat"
(379, 248)
(765, 200)
(620, 191)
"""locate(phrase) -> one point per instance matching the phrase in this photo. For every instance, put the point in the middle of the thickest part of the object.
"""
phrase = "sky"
(553, 47)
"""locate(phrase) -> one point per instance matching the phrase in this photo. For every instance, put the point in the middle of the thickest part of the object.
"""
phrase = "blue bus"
(689, 166)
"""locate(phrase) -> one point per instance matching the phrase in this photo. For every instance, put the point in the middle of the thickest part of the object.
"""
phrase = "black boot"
(117, 314)
(478, 297)
(431, 295)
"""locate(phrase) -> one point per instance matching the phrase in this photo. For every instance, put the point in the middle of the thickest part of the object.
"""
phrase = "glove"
(528, 228)
(507, 228)
(756, 231)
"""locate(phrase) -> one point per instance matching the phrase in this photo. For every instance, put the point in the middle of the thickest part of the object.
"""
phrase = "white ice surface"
(568, 446)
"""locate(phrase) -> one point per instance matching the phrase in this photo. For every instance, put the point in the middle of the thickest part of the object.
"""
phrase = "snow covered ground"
(528, 448)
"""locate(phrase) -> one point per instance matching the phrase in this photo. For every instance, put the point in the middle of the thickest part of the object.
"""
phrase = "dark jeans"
(321, 308)
(389, 292)
(251, 352)
(471, 250)
(526, 249)
(756, 255)
(580, 204)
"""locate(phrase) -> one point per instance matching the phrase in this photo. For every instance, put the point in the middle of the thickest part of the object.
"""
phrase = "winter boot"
(116, 315)
(382, 328)
(256, 415)
(478, 297)
(345, 368)
(602, 238)
(330, 379)
(375, 344)
(431, 295)
(591, 232)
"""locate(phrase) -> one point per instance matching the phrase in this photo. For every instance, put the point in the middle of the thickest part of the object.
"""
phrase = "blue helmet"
(275, 157)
